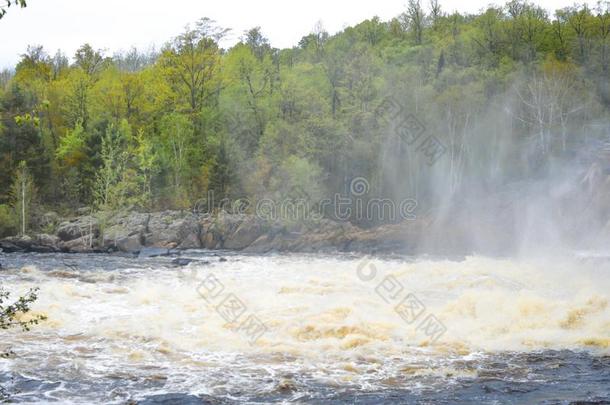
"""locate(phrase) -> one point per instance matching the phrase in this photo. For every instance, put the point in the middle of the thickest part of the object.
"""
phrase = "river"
(324, 329)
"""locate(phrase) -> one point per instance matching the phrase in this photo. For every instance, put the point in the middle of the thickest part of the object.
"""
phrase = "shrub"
(17, 315)
(8, 221)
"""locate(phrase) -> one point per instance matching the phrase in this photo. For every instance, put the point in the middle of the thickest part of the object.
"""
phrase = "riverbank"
(132, 232)
(501, 224)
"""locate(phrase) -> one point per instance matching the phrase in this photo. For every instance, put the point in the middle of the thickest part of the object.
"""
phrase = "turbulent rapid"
(331, 329)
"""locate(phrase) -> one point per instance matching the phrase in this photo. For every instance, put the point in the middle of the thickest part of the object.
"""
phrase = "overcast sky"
(119, 24)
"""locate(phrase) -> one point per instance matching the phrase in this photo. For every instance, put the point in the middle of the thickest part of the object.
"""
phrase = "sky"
(115, 25)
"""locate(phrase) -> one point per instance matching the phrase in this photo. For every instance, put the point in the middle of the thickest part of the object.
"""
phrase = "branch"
(8, 3)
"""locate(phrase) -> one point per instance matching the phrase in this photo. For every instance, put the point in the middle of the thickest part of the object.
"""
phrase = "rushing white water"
(326, 318)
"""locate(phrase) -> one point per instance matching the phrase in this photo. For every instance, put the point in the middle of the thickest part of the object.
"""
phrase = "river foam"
(334, 319)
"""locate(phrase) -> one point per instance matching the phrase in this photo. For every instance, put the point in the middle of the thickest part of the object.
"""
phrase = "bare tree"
(548, 102)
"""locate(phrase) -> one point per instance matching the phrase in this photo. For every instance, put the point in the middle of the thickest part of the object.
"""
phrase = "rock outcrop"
(42, 243)
(78, 228)
(159, 232)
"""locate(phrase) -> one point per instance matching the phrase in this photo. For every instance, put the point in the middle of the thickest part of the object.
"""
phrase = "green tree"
(192, 61)
(72, 147)
(22, 193)
(110, 173)
(177, 138)
(91, 61)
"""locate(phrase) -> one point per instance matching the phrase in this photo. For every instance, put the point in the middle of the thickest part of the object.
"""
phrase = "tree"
(135, 60)
(579, 20)
(59, 63)
(414, 19)
(177, 138)
(548, 102)
(331, 55)
(257, 42)
(8, 221)
(113, 164)
(223, 174)
(192, 61)
(252, 79)
(603, 32)
(72, 148)
(22, 193)
(35, 64)
(534, 21)
(560, 35)
(435, 13)
(89, 60)
(146, 163)
(489, 36)
(12, 316)
(76, 98)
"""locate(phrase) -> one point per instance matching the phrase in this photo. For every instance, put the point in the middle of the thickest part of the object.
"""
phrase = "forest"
(511, 93)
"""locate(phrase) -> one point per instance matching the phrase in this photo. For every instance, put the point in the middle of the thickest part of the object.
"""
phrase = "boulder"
(173, 229)
(262, 244)
(211, 240)
(123, 226)
(130, 244)
(117, 234)
(114, 233)
(214, 232)
(246, 233)
(39, 243)
(157, 222)
(16, 244)
(181, 261)
(78, 228)
(44, 239)
(190, 242)
(84, 244)
(132, 221)
(397, 238)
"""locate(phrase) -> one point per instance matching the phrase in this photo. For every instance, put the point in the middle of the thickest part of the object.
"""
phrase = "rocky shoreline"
(143, 232)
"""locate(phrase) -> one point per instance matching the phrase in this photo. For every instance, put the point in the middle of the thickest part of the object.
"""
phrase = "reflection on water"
(126, 329)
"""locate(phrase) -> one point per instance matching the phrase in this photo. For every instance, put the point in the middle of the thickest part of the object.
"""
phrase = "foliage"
(8, 224)
(21, 3)
(508, 91)
(72, 147)
(22, 196)
(12, 315)
(17, 315)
